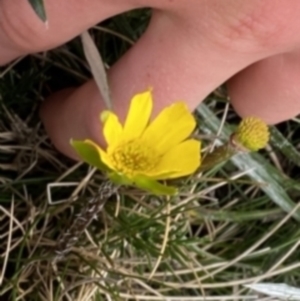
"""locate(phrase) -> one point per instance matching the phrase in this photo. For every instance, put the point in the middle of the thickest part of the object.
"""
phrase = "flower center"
(133, 157)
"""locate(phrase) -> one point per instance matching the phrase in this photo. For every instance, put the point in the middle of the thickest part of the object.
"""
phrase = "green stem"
(218, 155)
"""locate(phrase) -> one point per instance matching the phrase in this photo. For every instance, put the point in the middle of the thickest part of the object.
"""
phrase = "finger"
(179, 57)
(268, 89)
(22, 32)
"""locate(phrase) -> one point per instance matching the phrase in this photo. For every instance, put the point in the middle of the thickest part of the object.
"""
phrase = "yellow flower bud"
(252, 134)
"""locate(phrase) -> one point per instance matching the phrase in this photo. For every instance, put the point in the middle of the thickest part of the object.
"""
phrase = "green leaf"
(259, 168)
(153, 186)
(39, 8)
(88, 154)
(119, 179)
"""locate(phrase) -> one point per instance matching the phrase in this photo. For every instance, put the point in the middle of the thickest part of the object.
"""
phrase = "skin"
(186, 52)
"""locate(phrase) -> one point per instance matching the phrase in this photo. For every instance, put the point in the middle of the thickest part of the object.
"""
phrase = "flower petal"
(181, 160)
(92, 154)
(153, 186)
(138, 115)
(112, 128)
(173, 125)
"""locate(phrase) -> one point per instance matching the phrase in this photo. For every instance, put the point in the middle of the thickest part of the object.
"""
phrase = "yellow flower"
(141, 152)
(252, 134)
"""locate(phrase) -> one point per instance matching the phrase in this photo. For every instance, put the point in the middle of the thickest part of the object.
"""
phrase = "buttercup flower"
(141, 152)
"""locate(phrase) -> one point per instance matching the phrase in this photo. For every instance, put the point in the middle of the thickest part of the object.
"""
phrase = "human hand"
(187, 51)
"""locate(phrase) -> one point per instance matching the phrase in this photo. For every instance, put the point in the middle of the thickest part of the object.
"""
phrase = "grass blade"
(279, 290)
(282, 144)
(39, 8)
(97, 67)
